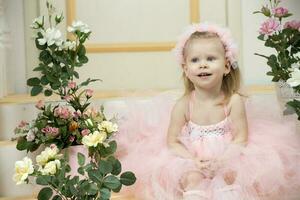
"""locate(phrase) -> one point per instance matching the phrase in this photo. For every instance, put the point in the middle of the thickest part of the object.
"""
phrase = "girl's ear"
(227, 68)
(184, 67)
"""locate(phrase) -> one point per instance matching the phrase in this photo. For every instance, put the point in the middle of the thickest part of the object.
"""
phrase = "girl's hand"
(206, 167)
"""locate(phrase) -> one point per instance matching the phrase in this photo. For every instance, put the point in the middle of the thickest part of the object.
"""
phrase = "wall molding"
(130, 47)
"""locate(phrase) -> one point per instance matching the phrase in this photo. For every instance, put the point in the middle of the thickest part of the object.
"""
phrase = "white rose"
(108, 126)
(30, 136)
(78, 26)
(22, 169)
(50, 168)
(37, 22)
(46, 155)
(69, 45)
(294, 81)
(51, 36)
(94, 139)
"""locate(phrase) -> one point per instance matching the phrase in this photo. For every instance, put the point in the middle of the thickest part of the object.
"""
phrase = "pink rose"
(294, 24)
(89, 92)
(91, 112)
(76, 114)
(22, 124)
(280, 11)
(72, 84)
(40, 104)
(51, 131)
(269, 27)
(71, 138)
(85, 132)
(62, 112)
(68, 98)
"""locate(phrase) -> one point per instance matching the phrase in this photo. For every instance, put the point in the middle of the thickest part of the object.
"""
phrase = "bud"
(266, 11)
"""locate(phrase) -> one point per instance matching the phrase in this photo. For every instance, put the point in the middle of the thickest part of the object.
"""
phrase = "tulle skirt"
(267, 168)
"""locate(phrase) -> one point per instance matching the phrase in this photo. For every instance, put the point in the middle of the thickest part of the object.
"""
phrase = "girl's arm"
(239, 120)
(177, 121)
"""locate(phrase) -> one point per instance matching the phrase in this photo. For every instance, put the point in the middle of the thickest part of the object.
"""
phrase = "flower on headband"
(223, 33)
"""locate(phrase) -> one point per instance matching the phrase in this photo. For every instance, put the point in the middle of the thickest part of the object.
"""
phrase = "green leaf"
(39, 68)
(91, 189)
(80, 159)
(105, 167)
(261, 37)
(81, 50)
(117, 189)
(80, 170)
(94, 176)
(36, 90)
(117, 168)
(83, 59)
(33, 81)
(44, 80)
(45, 57)
(48, 93)
(40, 47)
(56, 197)
(111, 182)
(45, 193)
(43, 180)
(127, 178)
(105, 193)
(22, 144)
(76, 74)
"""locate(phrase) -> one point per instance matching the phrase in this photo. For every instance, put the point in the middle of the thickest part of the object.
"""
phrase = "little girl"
(213, 146)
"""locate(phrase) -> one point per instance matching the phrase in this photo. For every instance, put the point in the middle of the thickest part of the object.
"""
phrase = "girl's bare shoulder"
(181, 105)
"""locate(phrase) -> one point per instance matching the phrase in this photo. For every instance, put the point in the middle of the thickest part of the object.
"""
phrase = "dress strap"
(226, 111)
(191, 101)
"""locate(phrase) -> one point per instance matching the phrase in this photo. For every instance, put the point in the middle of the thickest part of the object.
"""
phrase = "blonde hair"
(231, 82)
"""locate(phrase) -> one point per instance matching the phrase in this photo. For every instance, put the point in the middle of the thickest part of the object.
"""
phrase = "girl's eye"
(211, 58)
(194, 60)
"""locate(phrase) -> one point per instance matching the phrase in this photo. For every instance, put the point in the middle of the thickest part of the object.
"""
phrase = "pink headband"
(223, 33)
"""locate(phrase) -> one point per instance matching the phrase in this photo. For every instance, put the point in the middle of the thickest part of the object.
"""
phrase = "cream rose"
(23, 168)
(50, 168)
(108, 126)
(294, 81)
(49, 153)
(94, 139)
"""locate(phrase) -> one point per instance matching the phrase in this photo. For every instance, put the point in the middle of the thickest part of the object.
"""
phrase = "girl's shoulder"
(236, 102)
(181, 105)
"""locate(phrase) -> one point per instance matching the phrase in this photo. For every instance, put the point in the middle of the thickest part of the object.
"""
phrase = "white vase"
(284, 94)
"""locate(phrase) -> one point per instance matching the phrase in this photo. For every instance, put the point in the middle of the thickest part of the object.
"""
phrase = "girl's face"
(205, 63)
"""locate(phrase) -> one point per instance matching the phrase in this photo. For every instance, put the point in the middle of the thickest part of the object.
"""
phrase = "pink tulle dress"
(267, 168)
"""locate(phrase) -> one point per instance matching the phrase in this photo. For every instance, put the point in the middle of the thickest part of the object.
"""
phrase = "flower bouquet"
(284, 38)
(70, 123)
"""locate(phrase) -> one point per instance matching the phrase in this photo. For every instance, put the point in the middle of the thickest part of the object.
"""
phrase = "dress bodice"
(197, 131)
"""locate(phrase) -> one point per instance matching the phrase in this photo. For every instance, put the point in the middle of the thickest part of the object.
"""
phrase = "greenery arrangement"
(58, 127)
(284, 38)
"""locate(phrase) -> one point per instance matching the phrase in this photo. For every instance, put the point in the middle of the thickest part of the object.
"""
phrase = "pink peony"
(72, 84)
(280, 11)
(269, 27)
(40, 104)
(89, 92)
(294, 24)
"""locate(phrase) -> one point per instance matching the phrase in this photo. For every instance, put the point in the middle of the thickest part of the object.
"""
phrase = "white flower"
(68, 45)
(294, 81)
(46, 155)
(23, 168)
(50, 168)
(37, 22)
(51, 36)
(94, 139)
(30, 136)
(108, 126)
(78, 26)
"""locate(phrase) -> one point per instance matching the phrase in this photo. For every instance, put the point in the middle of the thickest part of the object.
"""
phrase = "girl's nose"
(203, 64)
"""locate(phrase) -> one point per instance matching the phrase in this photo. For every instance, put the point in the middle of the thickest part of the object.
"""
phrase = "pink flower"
(72, 84)
(89, 92)
(91, 112)
(269, 27)
(23, 124)
(280, 11)
(71, 138)
(85, 132)
(53, 146)
(76, 114)
(51, 131)
(68, 98)
(294, 24)
(40, 104)
(62, 112)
